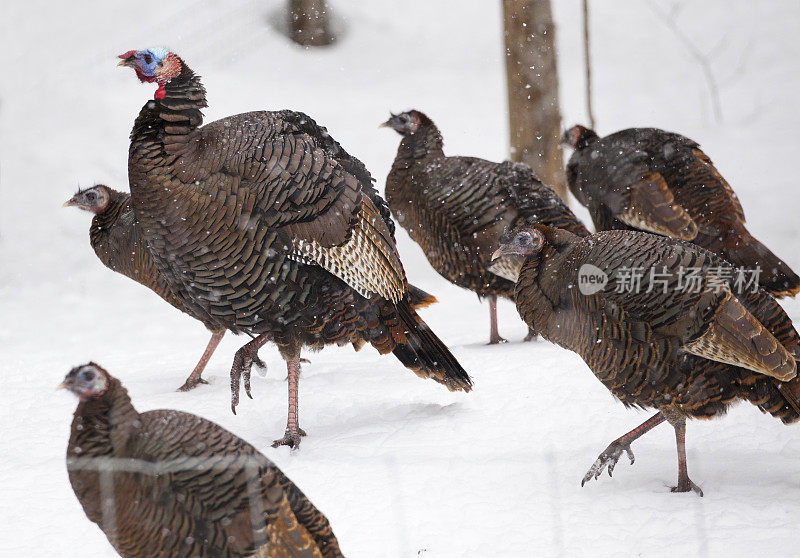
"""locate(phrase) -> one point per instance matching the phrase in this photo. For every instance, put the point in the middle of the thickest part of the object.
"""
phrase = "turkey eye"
(147, 59)
(90, 196)
(89, 376)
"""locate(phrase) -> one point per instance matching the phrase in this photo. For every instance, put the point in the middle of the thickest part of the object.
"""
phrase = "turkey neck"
(169, 120)
(420, 147)
(100, 428)
(103, 425)
(105, 221)
(160, 135)
(543, 278)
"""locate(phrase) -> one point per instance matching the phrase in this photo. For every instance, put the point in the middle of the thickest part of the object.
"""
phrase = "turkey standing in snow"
(456, 209)
(166, 483)
(117, 240)
(688, 351)
(655, 181)
(263, 224)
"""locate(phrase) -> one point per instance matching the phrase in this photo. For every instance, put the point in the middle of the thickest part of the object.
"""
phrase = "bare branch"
(702, 60)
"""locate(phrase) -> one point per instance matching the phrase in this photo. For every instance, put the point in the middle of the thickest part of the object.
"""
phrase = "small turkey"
(662, 326)
(117, 240)
(655, 181)
(166, 483)
(456, 209)
(264, 225)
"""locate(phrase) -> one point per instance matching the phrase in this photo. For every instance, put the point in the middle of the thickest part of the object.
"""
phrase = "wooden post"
(309, 22)
(534, 116)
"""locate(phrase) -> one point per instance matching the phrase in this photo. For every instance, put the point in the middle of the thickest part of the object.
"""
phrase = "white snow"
(400, 466)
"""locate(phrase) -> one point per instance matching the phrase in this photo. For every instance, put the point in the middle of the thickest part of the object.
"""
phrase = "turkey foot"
(192, 383)
(195, 378)
(609, 459)
(243, 361)
(532, 336)
(291, 439)
(293, 431)
(685, 485)
(614, 450)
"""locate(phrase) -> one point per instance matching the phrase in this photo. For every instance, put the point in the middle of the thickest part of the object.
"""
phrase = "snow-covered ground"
(400, 466)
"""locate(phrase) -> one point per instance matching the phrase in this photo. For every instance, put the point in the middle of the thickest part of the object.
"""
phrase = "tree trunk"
(309, 22)
(534, 116)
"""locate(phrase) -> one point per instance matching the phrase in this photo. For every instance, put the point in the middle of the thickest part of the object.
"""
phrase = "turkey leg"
(685, 484)
(293, 431)
(194, 378)
(494, 335)
(612, 453)
(242, 363)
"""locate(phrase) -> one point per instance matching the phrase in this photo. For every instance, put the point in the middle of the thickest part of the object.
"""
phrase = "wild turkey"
(655, 181)
(117, 240)
(456, 208)
(688, 346)
(166, 483)
(263, 224)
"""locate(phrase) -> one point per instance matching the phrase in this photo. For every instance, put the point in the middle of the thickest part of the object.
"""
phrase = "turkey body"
(456, 208)
(170, 484)
(687, 352)
(117, 239)
(661, 182)
(262, 224)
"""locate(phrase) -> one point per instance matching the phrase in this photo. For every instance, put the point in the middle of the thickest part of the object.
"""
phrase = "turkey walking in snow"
(655, 181)
(456, 209)
(168, 484)
(688, 350)
(263, 224)
(117, 240)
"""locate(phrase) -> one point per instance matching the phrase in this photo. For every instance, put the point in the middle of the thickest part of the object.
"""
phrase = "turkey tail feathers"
(426, 354)
(775, 276)
(418, 298)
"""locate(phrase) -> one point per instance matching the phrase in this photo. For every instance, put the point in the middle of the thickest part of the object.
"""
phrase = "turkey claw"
(686, 487)
(609, 459)
(240, 372)
(291, 439)
(190, 384)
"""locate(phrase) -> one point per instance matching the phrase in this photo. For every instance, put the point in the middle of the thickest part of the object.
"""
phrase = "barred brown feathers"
(263, 224)
(167, 483)
(656, 181)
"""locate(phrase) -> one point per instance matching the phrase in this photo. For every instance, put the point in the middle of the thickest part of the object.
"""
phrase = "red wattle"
(160, 92)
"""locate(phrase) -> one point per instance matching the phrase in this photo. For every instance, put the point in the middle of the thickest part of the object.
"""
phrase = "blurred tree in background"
(309, 23)
(533, 111)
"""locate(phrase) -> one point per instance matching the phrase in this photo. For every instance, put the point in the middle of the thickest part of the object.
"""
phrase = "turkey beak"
(62, 385)
(385, 124)
(70, 203)
(126, 61)
(499, 253)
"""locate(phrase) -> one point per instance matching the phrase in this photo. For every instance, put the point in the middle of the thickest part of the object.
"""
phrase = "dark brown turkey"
(662, 325)
(263, 224)
(117, 240)
(655, 181)
(456, 208)
(170, 484)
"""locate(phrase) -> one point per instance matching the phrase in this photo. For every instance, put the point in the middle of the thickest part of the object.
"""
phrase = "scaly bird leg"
(612, 453)
(194, 378)
(242, 363)
(293, 431)
(685, 484)
(532, 335)
(494, 335)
